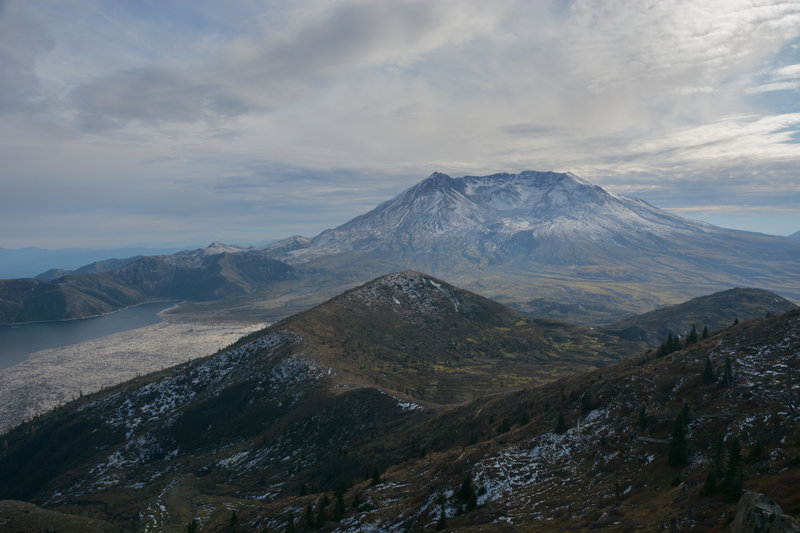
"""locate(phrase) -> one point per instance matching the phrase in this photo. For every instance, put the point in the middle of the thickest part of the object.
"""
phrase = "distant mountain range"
(213, 273)
(548, 244)
(409, 404)
(30, 261)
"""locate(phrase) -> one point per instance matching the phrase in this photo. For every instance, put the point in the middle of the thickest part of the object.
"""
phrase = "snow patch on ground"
(411, 293)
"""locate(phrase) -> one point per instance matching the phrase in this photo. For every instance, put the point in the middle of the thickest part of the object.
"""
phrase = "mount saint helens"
(549, 244)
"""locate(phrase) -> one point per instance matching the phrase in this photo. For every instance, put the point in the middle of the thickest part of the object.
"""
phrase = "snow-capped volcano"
(545, 238)
(515, 214)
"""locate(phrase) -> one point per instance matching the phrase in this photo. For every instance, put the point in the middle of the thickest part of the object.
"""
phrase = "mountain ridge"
(714, 311)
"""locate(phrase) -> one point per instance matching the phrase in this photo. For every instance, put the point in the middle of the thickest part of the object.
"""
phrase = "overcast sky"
(153, 122)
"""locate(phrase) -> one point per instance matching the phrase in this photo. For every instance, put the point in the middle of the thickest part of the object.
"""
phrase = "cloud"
(263, 70)
(776, 86)
(263, 111)
(22, 41)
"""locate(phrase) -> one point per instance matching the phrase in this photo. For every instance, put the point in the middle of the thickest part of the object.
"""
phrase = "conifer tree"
(338, 510)
(290, 523)
(586, 402)
(717, 462)
(309, 517)
(691, 338)
(727, 376)
(466, 497)
(710, 485)
(561, 425)
(708, 372)
(754, 454)
(643, 418)
(678, 449)
(705, 332)
(442, 522)
(320, 513)
(504, 427)
(676, 343)
(732, 482)
(376, 477)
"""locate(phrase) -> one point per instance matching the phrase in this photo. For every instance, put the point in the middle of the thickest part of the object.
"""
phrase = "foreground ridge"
(408, 403)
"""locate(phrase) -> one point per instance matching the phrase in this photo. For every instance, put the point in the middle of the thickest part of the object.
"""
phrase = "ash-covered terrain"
(56, 376)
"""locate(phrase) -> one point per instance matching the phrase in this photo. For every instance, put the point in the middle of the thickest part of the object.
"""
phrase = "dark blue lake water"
(16, 342)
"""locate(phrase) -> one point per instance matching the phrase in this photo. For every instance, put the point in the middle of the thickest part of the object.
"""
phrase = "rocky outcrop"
(759, 514)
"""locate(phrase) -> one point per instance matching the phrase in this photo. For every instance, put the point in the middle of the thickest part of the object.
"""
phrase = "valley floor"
(57, 375)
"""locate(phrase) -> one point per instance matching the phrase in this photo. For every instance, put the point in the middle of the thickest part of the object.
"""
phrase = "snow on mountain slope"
(498, 210)
(411, 294)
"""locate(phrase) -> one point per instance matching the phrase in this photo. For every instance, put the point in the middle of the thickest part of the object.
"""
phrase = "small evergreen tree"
(678, 448)
(309, 517)
(504, 427)
(442, 522)
(561, 424)
(321, 512)
(691, 338)
(290, 523)
(710, 486)
(727, 375)
(685, 415)
(643, 418)
(338, 509)
(705, 332)
(708, 372)
(754, 454)
(716, 464)
(376, 477)
(672, 344)
(586, 402)
(736, 321)
(192, 526)
(466, 498)
(732, 482)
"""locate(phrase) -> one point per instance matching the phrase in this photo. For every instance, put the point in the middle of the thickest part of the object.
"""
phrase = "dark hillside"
(423, 338)
(494, 432)
(714, 311)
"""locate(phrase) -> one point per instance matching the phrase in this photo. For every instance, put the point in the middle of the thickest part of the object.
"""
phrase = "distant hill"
(216, 272)
(105, 265)
(27, 262)
(715, 311)
(357, 410)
